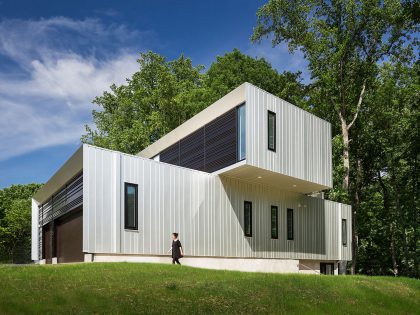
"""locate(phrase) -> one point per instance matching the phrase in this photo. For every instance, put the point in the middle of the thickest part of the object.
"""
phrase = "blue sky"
(56, 56)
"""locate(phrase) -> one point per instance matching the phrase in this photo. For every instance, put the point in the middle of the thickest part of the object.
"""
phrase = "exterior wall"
(346, 250)
(207, 211)
(314, 267)
(35, 232)
(303, 141)
(239, 264)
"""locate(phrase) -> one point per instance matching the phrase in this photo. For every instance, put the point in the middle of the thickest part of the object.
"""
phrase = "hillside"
(123, 288)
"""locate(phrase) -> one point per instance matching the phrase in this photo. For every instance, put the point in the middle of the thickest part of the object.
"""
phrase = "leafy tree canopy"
(15, 222)
(163, 94)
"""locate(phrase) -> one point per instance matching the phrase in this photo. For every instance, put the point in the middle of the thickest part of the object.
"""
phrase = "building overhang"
(252, 174)
(72, 167)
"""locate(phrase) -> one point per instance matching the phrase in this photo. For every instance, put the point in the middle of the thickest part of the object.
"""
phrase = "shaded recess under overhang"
(256, 175)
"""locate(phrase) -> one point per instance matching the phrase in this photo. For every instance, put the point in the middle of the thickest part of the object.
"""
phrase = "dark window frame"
(238, 132)
(290, 229)
(136, 205)
(344, 232)
(276, 235)
(270, 113)
(250, 219)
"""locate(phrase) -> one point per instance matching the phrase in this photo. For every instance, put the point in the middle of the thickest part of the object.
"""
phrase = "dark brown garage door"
(69, 231)
(47, 243)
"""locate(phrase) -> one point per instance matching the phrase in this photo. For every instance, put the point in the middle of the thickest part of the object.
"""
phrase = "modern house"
(241, 182)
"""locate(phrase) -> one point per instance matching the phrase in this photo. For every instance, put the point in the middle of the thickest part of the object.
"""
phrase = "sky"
(56, 56)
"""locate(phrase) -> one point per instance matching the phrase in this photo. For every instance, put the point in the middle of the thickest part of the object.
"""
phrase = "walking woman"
(176, 249)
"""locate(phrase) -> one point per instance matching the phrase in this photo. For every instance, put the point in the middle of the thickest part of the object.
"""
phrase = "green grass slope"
(123, 288)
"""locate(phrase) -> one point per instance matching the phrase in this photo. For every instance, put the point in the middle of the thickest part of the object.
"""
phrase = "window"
(248, 218)
(131, 206)
(344, 232)
(290, 224)
(274, 222)
(271, 131)
(241, 133)
(327, 268)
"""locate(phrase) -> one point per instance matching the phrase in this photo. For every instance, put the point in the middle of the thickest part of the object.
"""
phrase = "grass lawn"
(123, 288)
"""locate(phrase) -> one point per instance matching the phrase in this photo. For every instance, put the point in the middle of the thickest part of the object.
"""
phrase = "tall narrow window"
(290, 224)
(344, 231)
(271, 131)
(248, 218)
(274, 222)
(241, 133)
(131, 206)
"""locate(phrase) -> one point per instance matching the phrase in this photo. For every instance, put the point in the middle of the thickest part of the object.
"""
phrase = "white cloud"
(60, 65)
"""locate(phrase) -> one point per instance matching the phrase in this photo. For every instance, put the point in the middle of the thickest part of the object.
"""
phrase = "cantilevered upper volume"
(255, 136)
(231, 181)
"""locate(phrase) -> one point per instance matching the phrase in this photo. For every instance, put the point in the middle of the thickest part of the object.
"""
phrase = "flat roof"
(72, 167)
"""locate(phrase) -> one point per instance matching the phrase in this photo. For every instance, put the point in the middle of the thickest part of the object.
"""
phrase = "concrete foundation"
(88, 258)
(314, 266)
(219, 263)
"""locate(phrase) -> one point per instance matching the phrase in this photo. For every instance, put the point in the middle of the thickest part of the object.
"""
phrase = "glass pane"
(271, 131)
(344, 231)
(274, 222)
(248, 219)
(241, 133)
(131, 206)
(289, 224)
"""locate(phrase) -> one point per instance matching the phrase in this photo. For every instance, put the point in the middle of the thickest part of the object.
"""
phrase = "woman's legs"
(175, 260)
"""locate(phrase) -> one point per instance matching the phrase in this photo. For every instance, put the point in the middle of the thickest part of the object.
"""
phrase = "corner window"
(241, 137)
(290, 224)
(271, 131)
(274, 222)
(248, 218)
(131, 206)
(344, 232)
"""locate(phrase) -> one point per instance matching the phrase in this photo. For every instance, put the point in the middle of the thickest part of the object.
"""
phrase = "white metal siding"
(303, 141)
(35, 231)
(207, 211)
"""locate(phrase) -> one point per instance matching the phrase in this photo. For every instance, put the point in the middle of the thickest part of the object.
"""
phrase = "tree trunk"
(389, 218)
(393, 255)
(402, 224)
(346, 156)
(346, 164)
(355, 232)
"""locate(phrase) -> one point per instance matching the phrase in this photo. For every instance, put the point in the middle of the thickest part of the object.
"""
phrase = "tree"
(393, 137)
(163, 94)
(343, 42)
(234, 68)
(158, 97)
(15, 222)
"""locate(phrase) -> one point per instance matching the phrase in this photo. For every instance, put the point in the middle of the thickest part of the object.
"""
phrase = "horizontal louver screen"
(67, 199)
(191, 151)
(221, 142)
(210, 148)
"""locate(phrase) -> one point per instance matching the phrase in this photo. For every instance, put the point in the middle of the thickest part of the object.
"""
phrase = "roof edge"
(221, 106)
(67, 171)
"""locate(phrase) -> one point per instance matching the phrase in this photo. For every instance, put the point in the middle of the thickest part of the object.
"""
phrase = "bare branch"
(359, 105)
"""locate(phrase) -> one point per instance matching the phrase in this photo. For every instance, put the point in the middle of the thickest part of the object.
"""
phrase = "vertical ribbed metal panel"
(303, 141)
(207, 211)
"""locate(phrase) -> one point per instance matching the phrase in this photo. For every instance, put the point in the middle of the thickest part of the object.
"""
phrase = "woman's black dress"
(176, 251)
